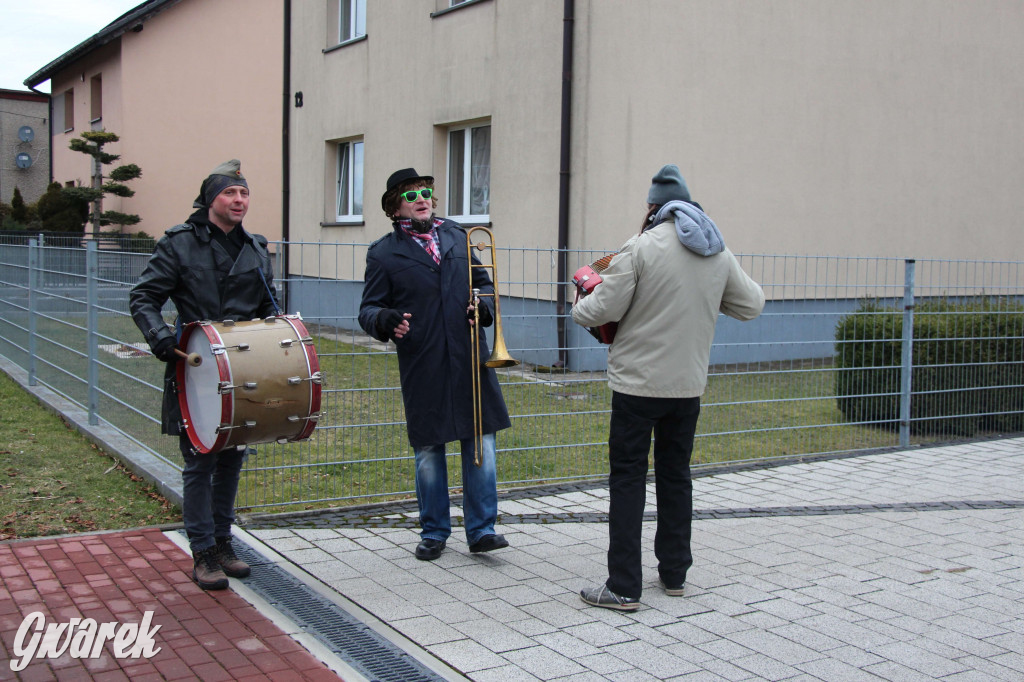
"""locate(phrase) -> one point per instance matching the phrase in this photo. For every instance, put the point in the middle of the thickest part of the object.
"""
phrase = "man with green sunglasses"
(417, 294)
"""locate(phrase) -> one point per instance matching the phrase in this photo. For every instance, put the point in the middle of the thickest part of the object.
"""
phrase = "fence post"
(33, 284)
(92, 303)
(907, 360)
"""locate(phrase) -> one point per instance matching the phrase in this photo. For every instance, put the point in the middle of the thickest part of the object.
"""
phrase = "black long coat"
(434, 357)
(204, 283)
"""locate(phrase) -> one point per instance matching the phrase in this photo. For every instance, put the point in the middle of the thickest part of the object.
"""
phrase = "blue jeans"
(210, 484)
(479, 491)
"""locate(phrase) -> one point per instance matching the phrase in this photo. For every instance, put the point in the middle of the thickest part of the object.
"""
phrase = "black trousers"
(673, 422)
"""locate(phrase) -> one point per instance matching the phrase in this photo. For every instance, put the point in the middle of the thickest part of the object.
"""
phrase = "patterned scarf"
(428, 240)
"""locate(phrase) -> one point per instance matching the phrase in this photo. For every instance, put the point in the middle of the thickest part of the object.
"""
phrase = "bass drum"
(248, 382)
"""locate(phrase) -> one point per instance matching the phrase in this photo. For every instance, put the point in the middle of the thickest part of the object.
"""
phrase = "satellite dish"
(26, 134)
(23, 160)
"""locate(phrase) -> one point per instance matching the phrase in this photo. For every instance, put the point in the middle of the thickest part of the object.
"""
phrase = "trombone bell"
(499, 355)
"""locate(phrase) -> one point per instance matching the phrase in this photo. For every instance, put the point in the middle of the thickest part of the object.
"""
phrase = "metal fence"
(927, 350)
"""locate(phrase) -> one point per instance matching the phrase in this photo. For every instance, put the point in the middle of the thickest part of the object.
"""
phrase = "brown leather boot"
(207, 572)
(229, 562)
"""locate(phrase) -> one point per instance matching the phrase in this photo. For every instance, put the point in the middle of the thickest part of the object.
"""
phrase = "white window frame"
(355, 12)
(462, 213)
(348, 181)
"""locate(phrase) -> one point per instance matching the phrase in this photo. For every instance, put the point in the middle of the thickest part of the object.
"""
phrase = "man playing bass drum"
(212, 269)
(665, 288)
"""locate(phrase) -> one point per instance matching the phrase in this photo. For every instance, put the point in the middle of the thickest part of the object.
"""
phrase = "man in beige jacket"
(665, 288)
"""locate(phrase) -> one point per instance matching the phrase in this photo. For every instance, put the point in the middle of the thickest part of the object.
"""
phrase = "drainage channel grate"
(369, 653)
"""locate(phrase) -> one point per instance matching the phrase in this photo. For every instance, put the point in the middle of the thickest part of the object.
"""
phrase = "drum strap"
(271, 295)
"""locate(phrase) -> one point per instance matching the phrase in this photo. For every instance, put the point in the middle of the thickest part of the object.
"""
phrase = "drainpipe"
(563, 180)
(286, 149)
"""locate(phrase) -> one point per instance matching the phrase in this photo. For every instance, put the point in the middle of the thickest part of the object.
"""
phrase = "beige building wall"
(201, 83)
(20, 109)
(404, 86)
(874, 128)
(844, 127)
(76, 82)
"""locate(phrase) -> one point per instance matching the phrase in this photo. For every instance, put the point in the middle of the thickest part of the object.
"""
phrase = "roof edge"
(114, 30)
(24, 95)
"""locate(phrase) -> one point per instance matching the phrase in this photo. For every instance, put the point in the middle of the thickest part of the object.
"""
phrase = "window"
(69, 110)
(96, 98)
(349, 197)
(469, 173)
(351, 19)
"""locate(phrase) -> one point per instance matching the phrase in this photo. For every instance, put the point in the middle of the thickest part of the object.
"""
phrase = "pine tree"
(19, 211)
(92, 142)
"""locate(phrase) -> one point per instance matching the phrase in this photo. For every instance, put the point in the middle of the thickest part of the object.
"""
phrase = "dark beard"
(422, 226)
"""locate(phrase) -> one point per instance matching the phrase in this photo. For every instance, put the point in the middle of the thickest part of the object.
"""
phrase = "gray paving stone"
(567, 645)
(989, 667)
(426, 630)
(532, 627)
(509, 673)
(918, 659)
(603, 663)
(766, 667)
(588, 676)
(867, 593)
(1013, 660)
(467, 655)
(895, 672)
(633, 676)
(544, 662)
(657, 662)
(775, 647)
(720, 671)
(496, 637)
(600, 634)
(558, 614)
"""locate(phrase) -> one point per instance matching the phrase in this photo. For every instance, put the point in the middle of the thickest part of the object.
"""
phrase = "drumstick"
(193, 359)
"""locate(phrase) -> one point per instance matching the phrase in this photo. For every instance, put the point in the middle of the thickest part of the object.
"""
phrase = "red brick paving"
(117, 577)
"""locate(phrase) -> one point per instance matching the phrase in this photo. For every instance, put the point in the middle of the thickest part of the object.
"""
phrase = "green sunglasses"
(412, 195)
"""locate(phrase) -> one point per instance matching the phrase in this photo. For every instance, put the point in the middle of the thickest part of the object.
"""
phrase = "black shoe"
(672, 589)
(429, 549)
(488, 543)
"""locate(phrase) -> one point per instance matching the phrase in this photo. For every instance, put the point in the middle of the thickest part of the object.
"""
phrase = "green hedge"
(968, 366)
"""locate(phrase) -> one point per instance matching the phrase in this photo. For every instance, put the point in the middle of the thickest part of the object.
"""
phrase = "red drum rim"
(227, 404)
(314, 366)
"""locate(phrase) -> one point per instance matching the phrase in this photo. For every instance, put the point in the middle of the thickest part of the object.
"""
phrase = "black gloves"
(164, 349)
(485, 315)
(387, 320)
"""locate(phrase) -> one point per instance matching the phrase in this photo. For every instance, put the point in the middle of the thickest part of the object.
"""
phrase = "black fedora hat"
(402, 176)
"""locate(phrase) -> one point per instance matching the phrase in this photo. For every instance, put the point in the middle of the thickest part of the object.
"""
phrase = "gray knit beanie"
(668, 185)
(223, 176)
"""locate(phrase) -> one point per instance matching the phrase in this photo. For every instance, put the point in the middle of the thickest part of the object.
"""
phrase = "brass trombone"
(499, 354)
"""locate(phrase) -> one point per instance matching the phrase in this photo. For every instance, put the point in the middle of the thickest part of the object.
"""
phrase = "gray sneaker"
(605, 598)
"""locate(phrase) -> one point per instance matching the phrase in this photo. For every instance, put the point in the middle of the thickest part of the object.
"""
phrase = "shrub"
(967, 360)
(61, 210)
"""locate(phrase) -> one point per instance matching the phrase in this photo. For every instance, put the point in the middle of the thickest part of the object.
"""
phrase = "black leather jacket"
(197, 274)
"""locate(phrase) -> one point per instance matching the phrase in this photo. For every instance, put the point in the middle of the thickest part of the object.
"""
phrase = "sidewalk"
(895, 566)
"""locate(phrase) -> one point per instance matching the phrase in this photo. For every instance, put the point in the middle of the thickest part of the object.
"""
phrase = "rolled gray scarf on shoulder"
(696, 231)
